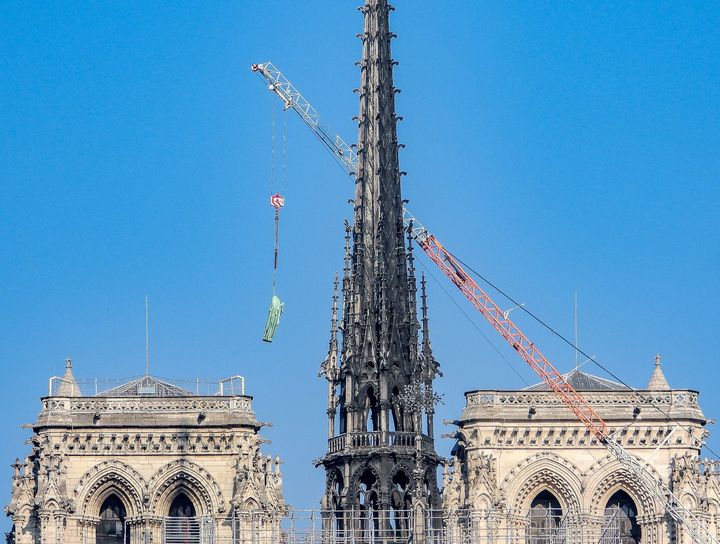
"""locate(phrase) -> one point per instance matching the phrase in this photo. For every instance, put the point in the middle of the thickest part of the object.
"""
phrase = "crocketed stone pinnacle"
(657, 380)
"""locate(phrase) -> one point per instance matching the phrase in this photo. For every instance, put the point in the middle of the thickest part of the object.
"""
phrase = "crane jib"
(347, 159)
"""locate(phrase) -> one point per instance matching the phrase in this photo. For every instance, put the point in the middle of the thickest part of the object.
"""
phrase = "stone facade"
(141, 447)
(515, 446)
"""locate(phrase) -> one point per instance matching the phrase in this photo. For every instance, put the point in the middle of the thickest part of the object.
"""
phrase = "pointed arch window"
(181, 526)
(371, 411)
(368, 522)
(111, 529)
(621, 524)
(400, 504)
(396, 422)
(545, 519)
(182, 507)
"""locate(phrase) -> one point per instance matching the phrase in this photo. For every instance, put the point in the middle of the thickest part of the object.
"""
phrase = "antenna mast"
(147, 340)
(576, 333)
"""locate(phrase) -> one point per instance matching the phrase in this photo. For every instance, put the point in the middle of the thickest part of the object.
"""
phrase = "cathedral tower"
(381, 452)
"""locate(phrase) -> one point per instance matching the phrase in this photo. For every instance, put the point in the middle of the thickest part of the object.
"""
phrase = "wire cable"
(582, 352)
(474, 324)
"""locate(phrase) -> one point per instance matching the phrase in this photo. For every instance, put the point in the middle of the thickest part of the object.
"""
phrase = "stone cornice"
(195, 411)
(611, 405)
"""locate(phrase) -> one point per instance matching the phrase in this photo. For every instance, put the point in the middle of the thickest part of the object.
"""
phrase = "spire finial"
(68, 385)
(427, 347)
(334, 318)
(658, 382)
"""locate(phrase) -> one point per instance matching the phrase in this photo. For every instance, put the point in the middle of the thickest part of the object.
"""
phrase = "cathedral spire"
(373, 437)
(379, 264)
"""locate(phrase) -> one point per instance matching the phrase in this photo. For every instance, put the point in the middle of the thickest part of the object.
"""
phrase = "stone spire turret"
(657, 380)
(68, 384)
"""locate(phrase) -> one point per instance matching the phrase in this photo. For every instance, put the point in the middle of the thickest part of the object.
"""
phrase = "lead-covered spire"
(380, 292)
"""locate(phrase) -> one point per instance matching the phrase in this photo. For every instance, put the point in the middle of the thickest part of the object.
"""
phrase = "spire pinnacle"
(334, 319)
(329, 367)
(68, 384)
(658, 382)
(427, 347)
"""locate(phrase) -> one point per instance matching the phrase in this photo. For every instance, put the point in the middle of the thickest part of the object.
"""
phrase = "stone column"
(418, 528)
(88, 530)
(25, 529)
(511, 529)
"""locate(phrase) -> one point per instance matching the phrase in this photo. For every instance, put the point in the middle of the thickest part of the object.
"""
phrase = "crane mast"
(453, 269)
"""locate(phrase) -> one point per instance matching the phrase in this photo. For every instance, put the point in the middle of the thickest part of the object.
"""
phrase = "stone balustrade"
(376, 440)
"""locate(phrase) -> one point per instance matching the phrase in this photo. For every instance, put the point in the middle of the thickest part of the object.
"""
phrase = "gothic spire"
(379, 263)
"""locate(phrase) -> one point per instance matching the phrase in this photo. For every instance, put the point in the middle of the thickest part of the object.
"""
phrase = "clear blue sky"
(557, 147)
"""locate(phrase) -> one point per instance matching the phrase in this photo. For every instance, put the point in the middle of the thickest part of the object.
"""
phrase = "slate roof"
(146, 386)
(583, 382)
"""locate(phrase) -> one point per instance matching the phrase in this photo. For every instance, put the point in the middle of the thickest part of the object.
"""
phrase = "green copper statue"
(273, 320)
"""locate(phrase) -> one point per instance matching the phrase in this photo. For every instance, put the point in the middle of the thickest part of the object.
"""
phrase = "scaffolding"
(368, 526)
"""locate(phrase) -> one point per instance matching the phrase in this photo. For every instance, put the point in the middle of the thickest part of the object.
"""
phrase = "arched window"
(396, 423)
(401, 504)
(111, 529)
(621, 519)
(371, 412)
(182, 527)
(367, 505)
(545, 518)
(336, 487)
(182, 507)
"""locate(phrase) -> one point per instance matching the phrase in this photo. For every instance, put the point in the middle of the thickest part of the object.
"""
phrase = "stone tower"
(380, 451)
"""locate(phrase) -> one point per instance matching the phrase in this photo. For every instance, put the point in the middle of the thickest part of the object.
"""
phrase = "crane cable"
(653, 403)
(277, 201)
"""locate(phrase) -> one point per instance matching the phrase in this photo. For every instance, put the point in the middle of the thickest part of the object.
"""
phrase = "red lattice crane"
(452, 268)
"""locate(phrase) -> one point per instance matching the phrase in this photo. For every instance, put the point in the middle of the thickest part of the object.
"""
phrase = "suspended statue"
(273, 319)
(277, 201)
(276, 307)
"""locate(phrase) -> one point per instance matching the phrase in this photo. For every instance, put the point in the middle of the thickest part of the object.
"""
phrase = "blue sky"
(556, 147)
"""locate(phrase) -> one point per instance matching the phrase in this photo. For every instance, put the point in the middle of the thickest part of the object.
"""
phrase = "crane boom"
(292, 98)
(453, 269)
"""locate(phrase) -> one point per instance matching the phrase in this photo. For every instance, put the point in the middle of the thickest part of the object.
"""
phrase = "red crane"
(452, 268)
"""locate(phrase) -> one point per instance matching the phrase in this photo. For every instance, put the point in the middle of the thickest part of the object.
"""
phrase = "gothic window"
(111, 529)
(396, 411)
(621, 524)
(545, 519)
(342, 412)
(371, 411)
(336, 489)
(367, 500)
(182, 507)
(401, 504)
(182, 527)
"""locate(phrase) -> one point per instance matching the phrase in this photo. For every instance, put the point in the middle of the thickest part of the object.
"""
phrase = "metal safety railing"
(146, 386)
(372, 526)
(199, 530)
